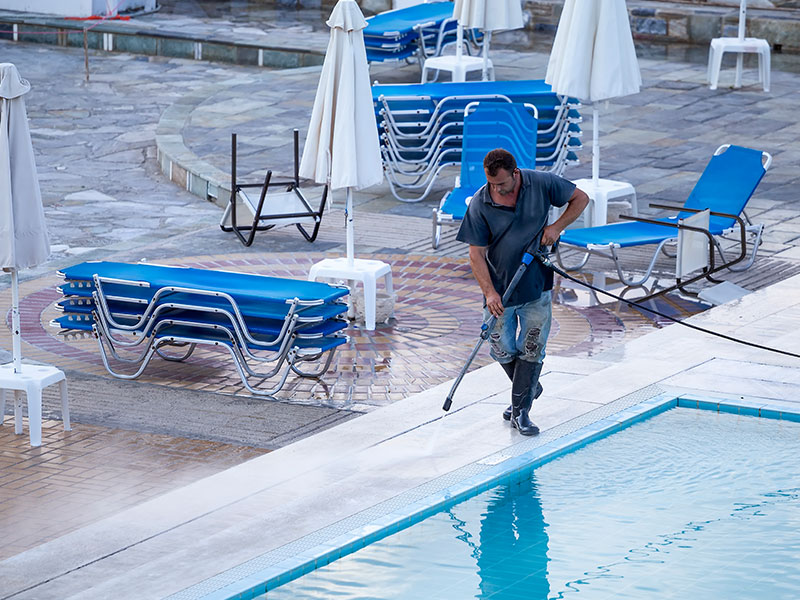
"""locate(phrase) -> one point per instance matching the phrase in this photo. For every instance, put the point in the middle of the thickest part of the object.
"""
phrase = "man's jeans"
(522, 331)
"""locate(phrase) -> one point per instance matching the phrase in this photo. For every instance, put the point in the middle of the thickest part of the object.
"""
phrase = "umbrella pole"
(595, 145)
(740, 55)
(487, 37)
(459, 42)
(16, 346)
(348, 215)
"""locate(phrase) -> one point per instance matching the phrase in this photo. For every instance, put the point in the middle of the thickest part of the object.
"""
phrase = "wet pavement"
(107, 198)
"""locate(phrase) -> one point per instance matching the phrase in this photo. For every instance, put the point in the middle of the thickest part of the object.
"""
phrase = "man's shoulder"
(532, 175)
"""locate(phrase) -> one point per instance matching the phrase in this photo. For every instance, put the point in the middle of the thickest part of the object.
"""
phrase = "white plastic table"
(741, 46)
(458, 68)
(367, 271)
(32, 380)
(600, 195)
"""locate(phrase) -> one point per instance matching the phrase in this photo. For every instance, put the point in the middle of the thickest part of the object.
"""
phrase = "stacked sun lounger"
(411, 32)
(421, 127)
(270, 326)
(488, 125)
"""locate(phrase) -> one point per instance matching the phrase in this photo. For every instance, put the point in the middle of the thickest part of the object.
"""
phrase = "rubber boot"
(509, 369)
(526, 378)
(507, 412)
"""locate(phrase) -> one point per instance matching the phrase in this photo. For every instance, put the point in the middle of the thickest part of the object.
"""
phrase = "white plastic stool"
(740, 45)
(600, 195)
(364, 270)
(32, 380)
(457, 67)
(746, 45)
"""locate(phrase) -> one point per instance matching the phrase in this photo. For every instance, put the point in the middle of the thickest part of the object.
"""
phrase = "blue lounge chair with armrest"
(143, 308)
(487, 125)
(725, 186)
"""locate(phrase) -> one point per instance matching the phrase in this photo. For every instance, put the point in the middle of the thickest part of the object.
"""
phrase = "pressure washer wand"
(488, 325)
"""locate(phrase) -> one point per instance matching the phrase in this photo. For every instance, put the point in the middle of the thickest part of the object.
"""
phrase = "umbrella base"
(32, 379)
(368, 272)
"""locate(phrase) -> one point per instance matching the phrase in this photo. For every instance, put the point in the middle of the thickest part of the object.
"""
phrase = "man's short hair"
(499, 159)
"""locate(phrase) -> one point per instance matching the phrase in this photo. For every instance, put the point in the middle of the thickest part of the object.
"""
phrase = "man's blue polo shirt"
(508, 231)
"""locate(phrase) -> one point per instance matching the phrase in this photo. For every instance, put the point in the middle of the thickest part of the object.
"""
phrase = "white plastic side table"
(458, 69)
(600, 195)
(368, 272)
(32, 380)
(720, 46)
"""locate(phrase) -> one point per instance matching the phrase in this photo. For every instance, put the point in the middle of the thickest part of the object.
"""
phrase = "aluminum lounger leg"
(247, 384)
(145, 360)
(437, 229)
(577, 267)
(755, 230)
(101, 330)
(177, 358)
(278, 360)
(320, 372)
(648, 272)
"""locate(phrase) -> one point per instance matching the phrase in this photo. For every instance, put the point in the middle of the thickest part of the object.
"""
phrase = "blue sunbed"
(422, 127)
(142, 308)
(490, 125)
(725, 186)
(419, 30)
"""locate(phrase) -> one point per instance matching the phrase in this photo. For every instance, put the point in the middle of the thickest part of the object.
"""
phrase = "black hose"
(545, 260)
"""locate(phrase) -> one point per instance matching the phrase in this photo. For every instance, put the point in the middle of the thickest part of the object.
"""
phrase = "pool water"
(687, 504)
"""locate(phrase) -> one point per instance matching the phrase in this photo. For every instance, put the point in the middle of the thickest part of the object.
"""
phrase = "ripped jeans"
(522, 331)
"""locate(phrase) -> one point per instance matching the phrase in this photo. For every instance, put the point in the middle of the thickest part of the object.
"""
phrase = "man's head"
(501, 171)
(499, 159)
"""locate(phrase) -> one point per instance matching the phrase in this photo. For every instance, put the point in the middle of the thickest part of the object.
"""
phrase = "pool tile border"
(248, 581)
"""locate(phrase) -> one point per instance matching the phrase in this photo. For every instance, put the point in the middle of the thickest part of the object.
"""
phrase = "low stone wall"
(687, 22)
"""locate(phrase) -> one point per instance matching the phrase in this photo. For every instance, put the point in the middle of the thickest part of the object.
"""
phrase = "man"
(504, 216)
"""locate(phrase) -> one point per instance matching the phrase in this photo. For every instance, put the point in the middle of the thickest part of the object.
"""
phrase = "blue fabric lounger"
(137, 310)
(421, 127)
(490, 125)
(399, 22)
(725, 187)
(420, 30)
(117, 295)
(516, 90)
(242, 286)
(266, 328)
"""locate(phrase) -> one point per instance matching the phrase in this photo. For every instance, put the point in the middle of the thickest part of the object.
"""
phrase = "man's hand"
(495, 304)
(550, 235)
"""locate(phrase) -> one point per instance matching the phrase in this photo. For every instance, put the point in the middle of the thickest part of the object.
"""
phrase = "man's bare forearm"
(575, 206)
(480, 269)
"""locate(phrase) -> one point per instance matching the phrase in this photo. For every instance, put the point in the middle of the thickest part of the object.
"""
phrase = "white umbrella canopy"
(23, 234)
(342, 147)
(489, 16)
(593, 57)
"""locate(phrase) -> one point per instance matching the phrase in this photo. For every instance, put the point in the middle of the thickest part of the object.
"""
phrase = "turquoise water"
(688, 504)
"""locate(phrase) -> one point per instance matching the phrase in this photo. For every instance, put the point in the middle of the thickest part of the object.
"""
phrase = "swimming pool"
(629, 516)
(688, 503)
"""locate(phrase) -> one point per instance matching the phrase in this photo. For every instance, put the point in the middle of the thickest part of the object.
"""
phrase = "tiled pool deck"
(139, 500)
